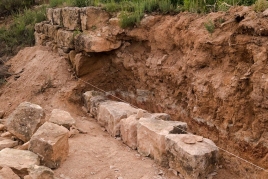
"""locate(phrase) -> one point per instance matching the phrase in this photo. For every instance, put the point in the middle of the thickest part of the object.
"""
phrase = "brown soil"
(215, 83)
(48, 81)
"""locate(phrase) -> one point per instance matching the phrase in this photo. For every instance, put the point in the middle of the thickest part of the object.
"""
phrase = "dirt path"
(47, 80)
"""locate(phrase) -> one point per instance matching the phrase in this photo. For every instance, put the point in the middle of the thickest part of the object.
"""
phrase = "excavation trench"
(216, 82)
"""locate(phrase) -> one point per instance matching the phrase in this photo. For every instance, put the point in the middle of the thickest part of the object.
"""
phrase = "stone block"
(128, 130)
(7, 143)
(62, 118)
(40, 39)
(57, 16)
(65, 39)
(93, 17)
(25, 120)
(71, 18)
(151, 135)
(18, 160)
(94, 43)
(49, 14)
(110, 114)
(92, 99)
(50, 30)
(7, 173)
(51, 143)
(193, 159)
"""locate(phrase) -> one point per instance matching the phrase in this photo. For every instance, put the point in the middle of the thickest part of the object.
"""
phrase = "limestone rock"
(50, 30)
(50, 142)
(62, 118)
(2, 113)
(71, 18)
(151, 135)
(93, 17)
(25, 120)
(191, 160)
(128, 130)
(83, 64)
(65, 39)
(49, 14)
(162, 116)
(41, 172)
(110, 114)
(7, 173)
(92, 99)
(6, 134)
(2, 127)
(7, 143)
(18, 160)
(94, 43)
(25, 146)
(40, 39)
(57, 16)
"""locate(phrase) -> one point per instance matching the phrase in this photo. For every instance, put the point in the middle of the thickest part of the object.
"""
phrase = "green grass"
(210, 26)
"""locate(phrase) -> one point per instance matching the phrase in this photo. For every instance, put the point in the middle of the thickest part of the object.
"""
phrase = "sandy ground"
(47, 80)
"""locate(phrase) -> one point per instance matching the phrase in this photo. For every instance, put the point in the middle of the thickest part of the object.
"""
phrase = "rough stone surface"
(2, 127)
(81, 63)
(51, 143)
(57, 16)
(25, 120)
(50, 30)
(2, 113)
(65, 39)
(110, 114)
(49, 13)
(94, 43)
(128, 131)
(19, 160)
(71, 18)
(7, 173)
(62, 118)
(92, 99)
(6, 134)
(191, 160)
(92, 18)
(151, 135)
(41, 172)
(7, 143)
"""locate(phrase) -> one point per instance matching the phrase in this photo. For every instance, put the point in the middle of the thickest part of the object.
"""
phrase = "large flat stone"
(41, 172)
(7, 143)
(93, 43)
(194, 160)
(57, 16)
(92, 99)
(110, 114)
(71, 18)
(62, 118)
(151, 139)
(25, 120)
(18, 160)
(51, 143)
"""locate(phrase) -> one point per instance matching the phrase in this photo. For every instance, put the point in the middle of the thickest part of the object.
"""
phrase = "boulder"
(62, 118)
(151, 135)
(51, 143)
(6, 134)
(93, 43)
(7, 143)
(18, 160)
(41, 172)
(92, 99)
(57, 17)
(192, 159)
(50, 30)
(25, 120)
(110, 114)
(7, 173)
(93, 17)
(40, 39)
(65, 39)
(71, 18)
